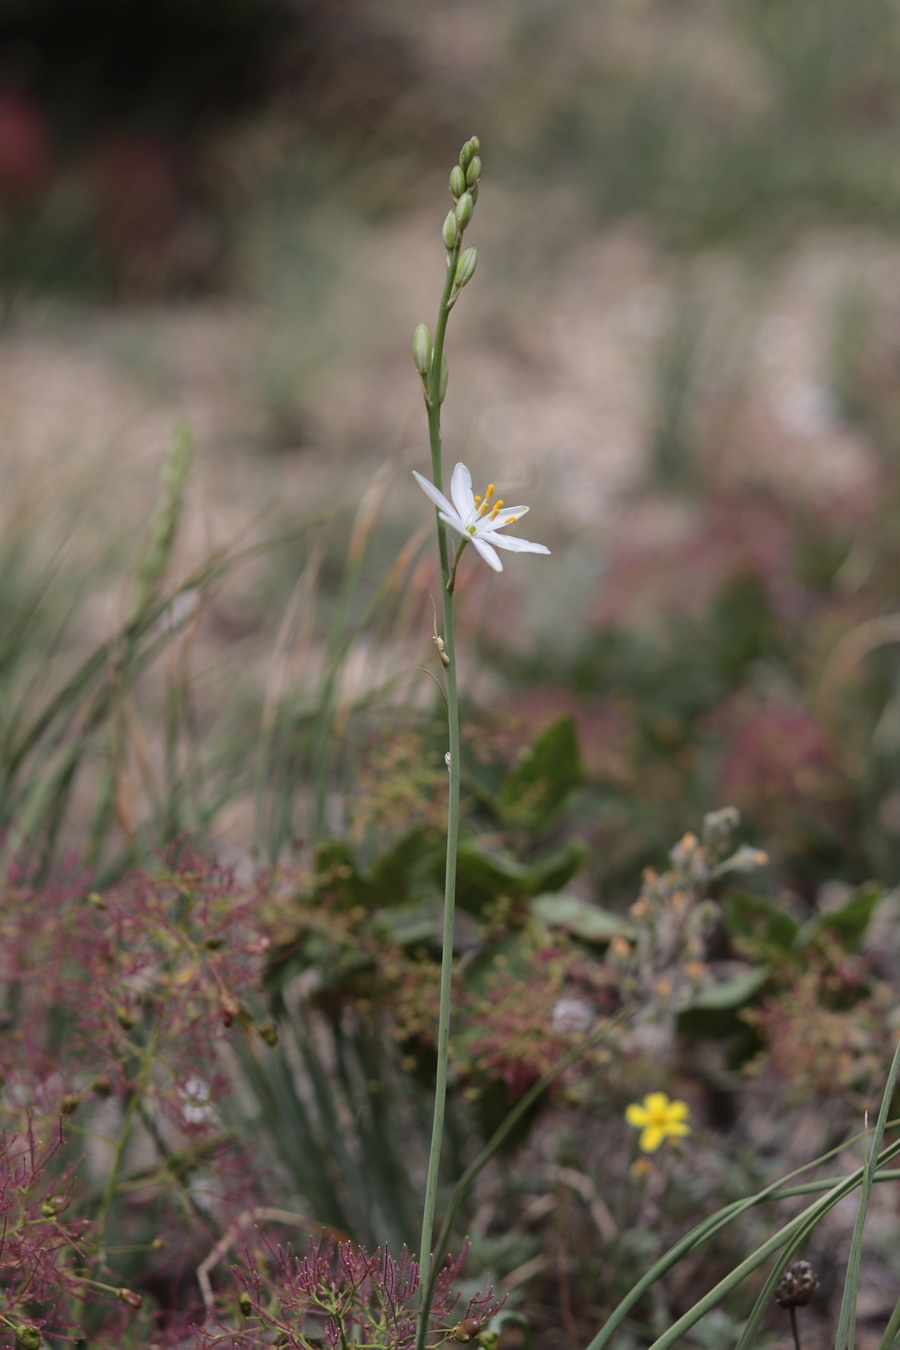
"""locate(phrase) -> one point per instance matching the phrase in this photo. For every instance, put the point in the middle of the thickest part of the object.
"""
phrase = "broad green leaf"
(849, 922)
(588, 922)
(407, 869)
(547, 773)
(750, 916)
(713, 1013)
(553, 869)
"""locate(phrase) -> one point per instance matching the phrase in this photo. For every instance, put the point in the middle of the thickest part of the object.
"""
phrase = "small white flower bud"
(465, 268)
(473, 172)
(451, 229)
(457, 180)
(422, 349)
(464, 208)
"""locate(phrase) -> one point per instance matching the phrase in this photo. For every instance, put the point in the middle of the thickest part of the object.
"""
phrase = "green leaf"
(588, 922)
(407, 869)
(713, 1013)
(553, 869)
(483, 872)
(849, 922)
(410, 924)
(749, 916)
(547, 773)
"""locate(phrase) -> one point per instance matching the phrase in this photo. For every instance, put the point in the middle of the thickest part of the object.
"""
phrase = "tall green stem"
(433, 403)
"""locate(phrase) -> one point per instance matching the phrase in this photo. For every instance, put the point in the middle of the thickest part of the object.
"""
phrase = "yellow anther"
(477, 499)
(484, 505)
(510, 520)
(497, 504)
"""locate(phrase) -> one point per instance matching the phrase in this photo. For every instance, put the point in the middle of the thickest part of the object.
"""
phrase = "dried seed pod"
(796, 1286)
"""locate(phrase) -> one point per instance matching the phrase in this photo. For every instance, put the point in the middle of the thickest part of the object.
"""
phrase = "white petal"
(489, 554)
(455, 522)
(438, 498)
(508, 516)
(512, 543)
(462, 494)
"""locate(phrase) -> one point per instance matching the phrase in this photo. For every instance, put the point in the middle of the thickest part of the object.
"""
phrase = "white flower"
(478, 518)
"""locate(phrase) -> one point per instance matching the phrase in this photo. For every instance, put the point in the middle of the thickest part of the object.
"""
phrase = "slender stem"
(134, 1100)
(433, 404)
(794, 1331)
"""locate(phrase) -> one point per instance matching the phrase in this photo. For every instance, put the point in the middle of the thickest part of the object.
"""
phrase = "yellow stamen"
(483, 505)
(497, 504)
(477, 499)
(510, 520)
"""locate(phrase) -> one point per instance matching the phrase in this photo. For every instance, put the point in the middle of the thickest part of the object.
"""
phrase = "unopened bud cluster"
(464, 178)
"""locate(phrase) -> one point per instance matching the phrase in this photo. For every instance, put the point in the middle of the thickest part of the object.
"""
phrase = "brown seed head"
(797, 1285)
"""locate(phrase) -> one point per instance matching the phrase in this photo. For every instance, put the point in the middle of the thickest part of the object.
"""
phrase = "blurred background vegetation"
(219, 225)
(683, 344)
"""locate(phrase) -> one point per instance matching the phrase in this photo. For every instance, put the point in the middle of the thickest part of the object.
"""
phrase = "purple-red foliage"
(782, 772)
(86, 982)
(106, 999)
(337, 1293)
(38, 1245)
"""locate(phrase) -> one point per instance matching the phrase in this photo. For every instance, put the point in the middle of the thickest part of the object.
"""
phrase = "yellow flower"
(658, 1119)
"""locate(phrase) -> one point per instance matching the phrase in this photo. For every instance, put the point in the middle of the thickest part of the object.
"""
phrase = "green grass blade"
(847, 1321)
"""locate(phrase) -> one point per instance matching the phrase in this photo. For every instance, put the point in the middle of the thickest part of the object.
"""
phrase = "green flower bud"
(464, 208)
(125, 1017)
(470, 148)
(30, 1337)
(450, 230)
(53, 1205)
(457, 180)
(269, 1032)
(465, 268)
(422, 349)
(473, 172)
(245, 1303)
(130, 1297)
(445, 375)
(473, 193)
